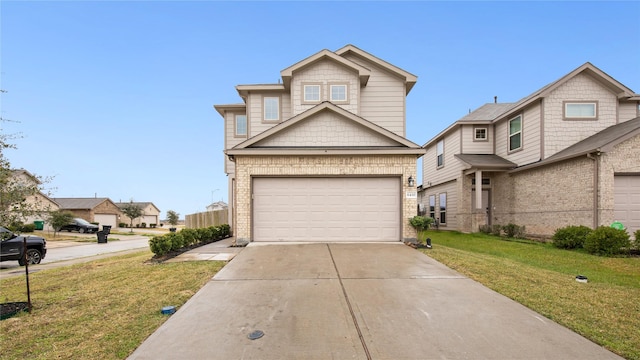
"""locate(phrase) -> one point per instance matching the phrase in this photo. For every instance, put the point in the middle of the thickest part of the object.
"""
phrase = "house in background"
(218, 205)
(568, 154)
(38, 204)
(100, 210)
(322, 155)
(151, 214)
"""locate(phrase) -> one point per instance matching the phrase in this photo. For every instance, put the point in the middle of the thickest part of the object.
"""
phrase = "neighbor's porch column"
(478, 189)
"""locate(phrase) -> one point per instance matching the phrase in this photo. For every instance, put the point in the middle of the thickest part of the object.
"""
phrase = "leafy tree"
(18, 194)
(173, 217)
(133, 212)
(60, 218)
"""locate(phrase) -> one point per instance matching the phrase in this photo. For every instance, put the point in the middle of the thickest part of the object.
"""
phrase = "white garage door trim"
(626, 208)
(106, 219)
(329, 209)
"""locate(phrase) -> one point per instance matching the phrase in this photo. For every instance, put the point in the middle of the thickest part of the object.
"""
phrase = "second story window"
(515, 133)
(480, 134)
(271, 109)
(241, 125)
(339, 93)
(311, 93)
(580, 110)
(440, 153)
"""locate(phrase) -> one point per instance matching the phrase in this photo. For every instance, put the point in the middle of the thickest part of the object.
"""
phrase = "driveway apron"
(355, 301)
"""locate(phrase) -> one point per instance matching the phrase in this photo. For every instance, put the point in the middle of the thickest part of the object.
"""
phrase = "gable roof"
(410, 79)
(494, 112)
(603, 141)
(363, 72)
(79, 203)
(486, 161)
(141, 205)
(403, 145)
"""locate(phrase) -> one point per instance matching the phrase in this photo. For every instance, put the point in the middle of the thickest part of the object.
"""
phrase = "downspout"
(596, 169)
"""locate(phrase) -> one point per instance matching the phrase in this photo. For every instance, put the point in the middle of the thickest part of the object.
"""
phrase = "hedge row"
(604, 240)
(175, 241)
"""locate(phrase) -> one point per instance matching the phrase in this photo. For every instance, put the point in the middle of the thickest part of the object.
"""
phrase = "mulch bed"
(10, 309)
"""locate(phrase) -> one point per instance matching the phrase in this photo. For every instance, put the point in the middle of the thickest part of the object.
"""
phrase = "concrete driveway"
(355, 301)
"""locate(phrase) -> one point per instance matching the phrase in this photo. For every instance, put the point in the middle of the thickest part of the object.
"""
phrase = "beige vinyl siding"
(324, 73)
(469, 146)
(452, 166)
(559, 133)
(530, 151)
(450, 188)
(383, 99)
(627, 111)
(230, 139)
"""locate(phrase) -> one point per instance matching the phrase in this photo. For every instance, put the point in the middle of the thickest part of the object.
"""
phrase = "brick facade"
(352, 165)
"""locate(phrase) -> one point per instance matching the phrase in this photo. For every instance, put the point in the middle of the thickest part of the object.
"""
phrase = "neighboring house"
(322, 155)
(568, 154)
(100, 210)
(218, 205)
(151, 214)
(38, 204)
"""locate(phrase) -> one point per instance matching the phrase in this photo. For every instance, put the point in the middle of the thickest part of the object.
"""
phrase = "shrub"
(177, 241)
(122, 225)
(607, 241)
(637, 236)
(571, 237)
(485, 229)
(152, 225)
(143, 225)
(190, 236)
(160, 245)
(421, 223)
(225, 230)
(496, 230)
(513, 231)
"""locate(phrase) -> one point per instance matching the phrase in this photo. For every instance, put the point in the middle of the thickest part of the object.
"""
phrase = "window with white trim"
(311, 93)
(443, 208)
(271, 108)
(432, 206)
(515, 133)
(480, 134)
(580, 110)
(241, 125)
(440, 153)
(338, 93)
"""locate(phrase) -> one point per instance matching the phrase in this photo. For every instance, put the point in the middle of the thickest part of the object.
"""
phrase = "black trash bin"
(106, 229)
(102, 237)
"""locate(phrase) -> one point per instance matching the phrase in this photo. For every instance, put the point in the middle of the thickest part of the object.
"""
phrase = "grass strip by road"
(605, 310)
(102, 309)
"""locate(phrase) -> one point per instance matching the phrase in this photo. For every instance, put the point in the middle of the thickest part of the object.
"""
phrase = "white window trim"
(516, 133)
(304, 93)
(235, 126)
(440, 210)
(264, 109)
(565, 104)
(346, 93)
(438, 164)
(486, 133)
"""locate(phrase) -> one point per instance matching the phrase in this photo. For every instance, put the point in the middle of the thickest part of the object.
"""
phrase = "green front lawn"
(605, 310)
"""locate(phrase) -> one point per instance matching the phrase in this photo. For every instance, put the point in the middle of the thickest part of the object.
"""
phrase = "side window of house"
(443, 208)
(271, 108)
(338, 93)
(311, 93)
(241, 125)
(515, 133)
(580, 110)
(440, 153)
(432, 206)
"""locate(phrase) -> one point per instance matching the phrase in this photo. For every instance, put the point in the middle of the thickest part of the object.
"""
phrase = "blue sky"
(115, 99)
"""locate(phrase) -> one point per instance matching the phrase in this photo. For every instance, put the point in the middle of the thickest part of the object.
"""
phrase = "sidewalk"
(219, 251)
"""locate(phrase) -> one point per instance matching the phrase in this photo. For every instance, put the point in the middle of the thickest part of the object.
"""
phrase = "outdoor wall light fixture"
(411, 181)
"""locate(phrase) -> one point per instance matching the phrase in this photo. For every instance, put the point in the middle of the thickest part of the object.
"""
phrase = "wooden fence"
(206, 219)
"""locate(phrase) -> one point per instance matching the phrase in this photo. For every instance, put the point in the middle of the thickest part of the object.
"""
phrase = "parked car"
(12, 247)
(81, 226)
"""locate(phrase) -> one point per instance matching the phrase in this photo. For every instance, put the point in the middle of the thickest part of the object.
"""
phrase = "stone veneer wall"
(348, 165)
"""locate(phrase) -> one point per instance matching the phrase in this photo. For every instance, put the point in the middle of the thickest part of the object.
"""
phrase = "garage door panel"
(326, 209)
(627, 201)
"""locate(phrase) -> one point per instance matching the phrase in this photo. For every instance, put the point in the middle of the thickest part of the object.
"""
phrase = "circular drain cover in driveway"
(256, 335)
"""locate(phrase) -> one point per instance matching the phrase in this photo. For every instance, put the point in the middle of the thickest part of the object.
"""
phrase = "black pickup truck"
(12, 247)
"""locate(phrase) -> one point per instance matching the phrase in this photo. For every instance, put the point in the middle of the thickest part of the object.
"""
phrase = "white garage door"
(627, 201)
(106, 219)
(326, 209)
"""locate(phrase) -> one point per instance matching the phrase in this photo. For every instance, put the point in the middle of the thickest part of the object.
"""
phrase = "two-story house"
(568, 154)
(322, 155)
